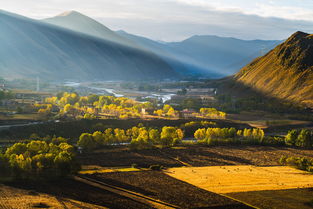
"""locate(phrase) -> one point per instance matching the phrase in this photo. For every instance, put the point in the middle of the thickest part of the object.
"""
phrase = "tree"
(86, 141)
(108, 136)
(200, 134)
(99, 137)
(154, 135)
(171, 112)
(291, 137)
(170, 136)
(37, 147)
(158, 112)
(17, 149)
(63, 164)
(92, 98)
(58, 140)
(68, 108)
(120, 135)
(304, 138)
(142, 141)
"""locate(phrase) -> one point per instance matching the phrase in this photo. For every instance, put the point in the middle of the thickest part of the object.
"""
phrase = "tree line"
(301, 163)
(300, 138)
(90, 107)
(137, 137)
(212, 136)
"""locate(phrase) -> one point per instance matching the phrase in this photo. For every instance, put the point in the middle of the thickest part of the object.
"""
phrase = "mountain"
(286, 72)
(31, 48)
(76, 21)
(80, 23)
(225, 56)
(161, 49)
(210, 55)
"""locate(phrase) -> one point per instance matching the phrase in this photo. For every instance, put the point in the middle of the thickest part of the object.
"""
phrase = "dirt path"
(227, 179)
(126, 193)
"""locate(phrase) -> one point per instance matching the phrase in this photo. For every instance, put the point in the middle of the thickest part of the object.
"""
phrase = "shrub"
(156, 167)
(303, 138)
(301, 163)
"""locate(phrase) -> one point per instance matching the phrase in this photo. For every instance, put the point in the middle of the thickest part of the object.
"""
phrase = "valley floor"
(194, 177)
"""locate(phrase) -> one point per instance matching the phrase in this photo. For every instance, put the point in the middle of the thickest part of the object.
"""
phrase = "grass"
(109, 170)
(281, 74)
(227, 179)
(22, 117)
(31, 116)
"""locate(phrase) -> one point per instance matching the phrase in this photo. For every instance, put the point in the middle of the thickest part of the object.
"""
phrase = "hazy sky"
(170, 20)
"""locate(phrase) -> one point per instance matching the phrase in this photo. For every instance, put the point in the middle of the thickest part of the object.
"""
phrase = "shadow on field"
(71, 189)
(154, 184)
(159, 185)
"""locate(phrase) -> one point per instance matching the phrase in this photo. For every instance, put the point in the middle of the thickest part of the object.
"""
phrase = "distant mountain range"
(210, 55)
(31, 48)
(286, 72)
(74, 46)
(199, 55)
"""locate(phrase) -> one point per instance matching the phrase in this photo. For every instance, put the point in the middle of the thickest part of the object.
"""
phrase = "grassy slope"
(285, 72)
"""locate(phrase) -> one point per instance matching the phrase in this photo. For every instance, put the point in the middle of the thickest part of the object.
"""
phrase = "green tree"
(200, 134)
(17, 149)
(154, 135)
(304, 138)
(170, 136)
(86, 141)
(99, 137)
(291, 137)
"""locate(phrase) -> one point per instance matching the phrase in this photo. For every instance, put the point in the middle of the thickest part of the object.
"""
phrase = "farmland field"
(276, 199)
(160, 186)
(183, 183)
(228, 179)
(193, 155)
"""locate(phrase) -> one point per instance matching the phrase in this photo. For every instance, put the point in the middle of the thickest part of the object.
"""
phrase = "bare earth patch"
(227, 179)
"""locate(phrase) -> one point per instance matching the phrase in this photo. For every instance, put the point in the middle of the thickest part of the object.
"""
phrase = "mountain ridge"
(198, 56)
(79, 22)
(31, 48)
(286, 72)
(197, 53)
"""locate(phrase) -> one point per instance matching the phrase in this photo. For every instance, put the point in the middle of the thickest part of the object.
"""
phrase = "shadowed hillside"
(31, 48)
(76, 21)
(210, 55)
(286, 72)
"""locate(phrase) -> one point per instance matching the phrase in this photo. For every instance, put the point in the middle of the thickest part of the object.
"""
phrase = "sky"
(175, 20)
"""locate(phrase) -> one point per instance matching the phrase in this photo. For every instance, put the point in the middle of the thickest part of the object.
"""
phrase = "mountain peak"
(299, 34)
(69, 13)
(297, 51)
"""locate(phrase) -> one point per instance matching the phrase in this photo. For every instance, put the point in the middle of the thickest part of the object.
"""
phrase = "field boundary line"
(245, 203)
(176, 159)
